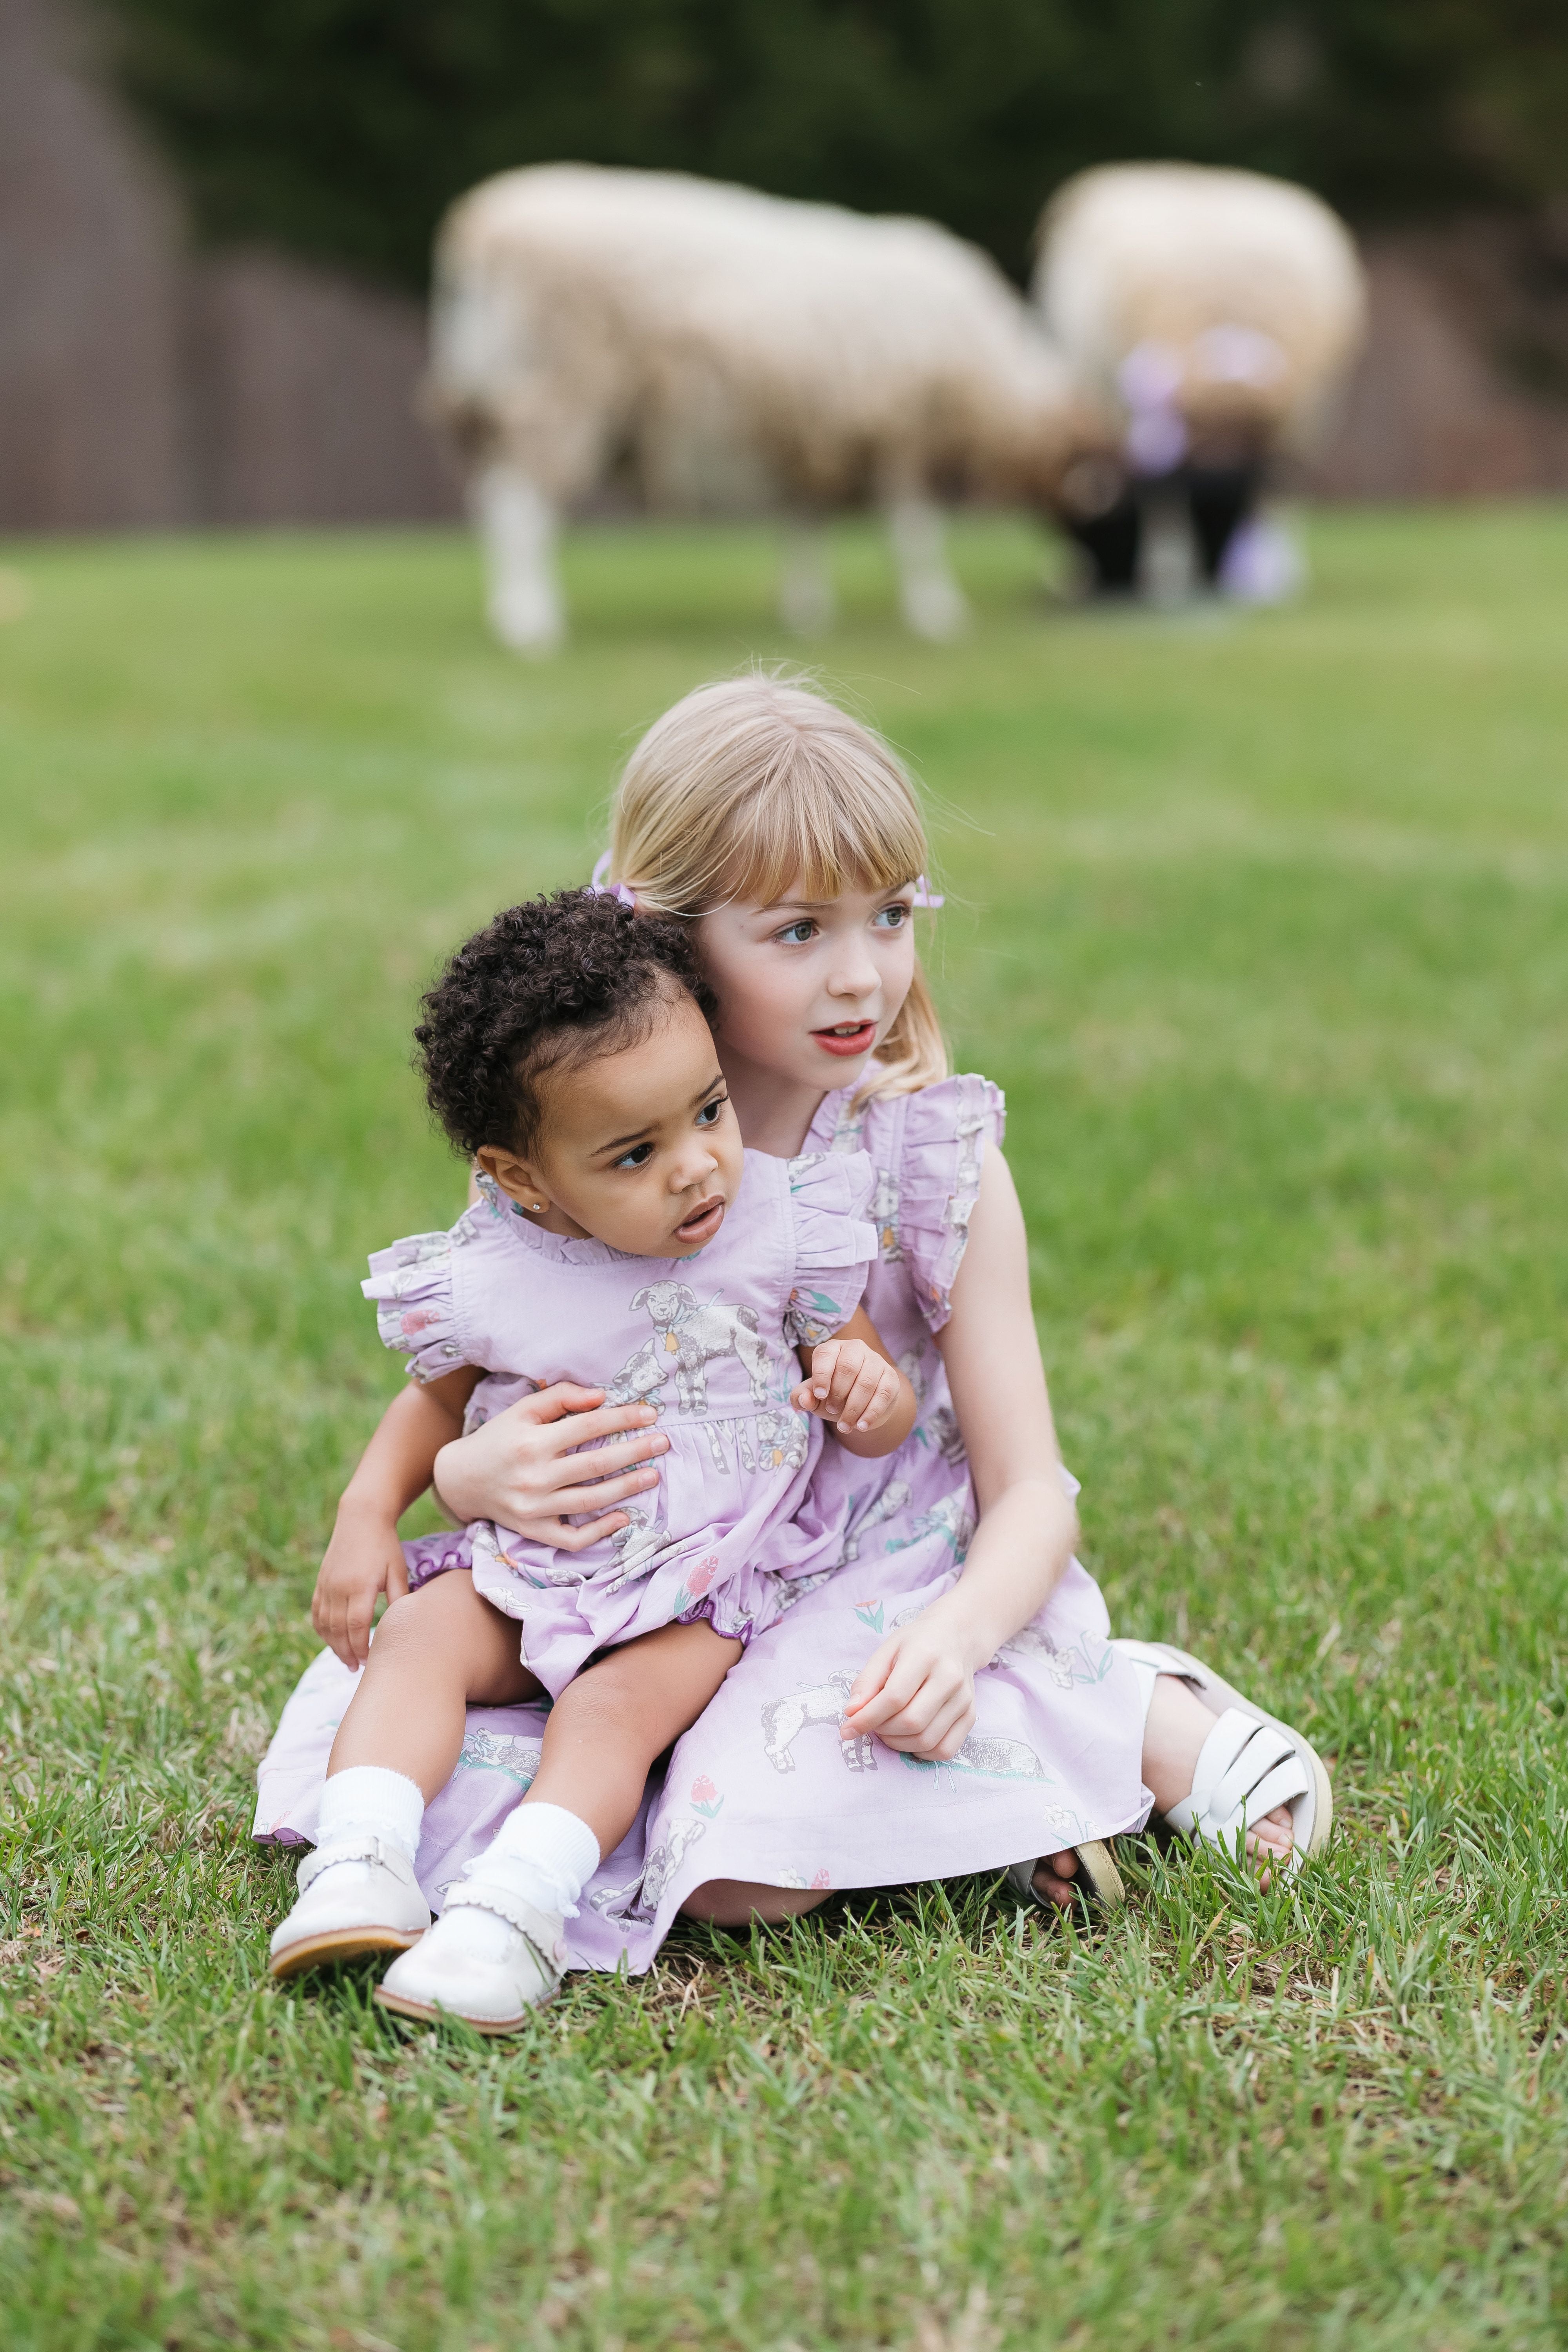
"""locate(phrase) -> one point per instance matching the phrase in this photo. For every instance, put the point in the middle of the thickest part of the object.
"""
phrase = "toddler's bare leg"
(435, 1651)
(606, 1727)
(735, 1903)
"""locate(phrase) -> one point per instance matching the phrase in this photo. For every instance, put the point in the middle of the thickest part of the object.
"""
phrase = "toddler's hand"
(848, 1384)
(363, 1559)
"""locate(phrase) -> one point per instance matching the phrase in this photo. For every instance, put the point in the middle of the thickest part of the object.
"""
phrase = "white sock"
(543, 1854)
(372, 1801)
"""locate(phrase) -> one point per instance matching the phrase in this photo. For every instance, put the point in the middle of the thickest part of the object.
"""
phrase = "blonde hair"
(745, 788)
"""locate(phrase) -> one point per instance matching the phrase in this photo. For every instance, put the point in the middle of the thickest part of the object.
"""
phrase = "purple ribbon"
(611, 889)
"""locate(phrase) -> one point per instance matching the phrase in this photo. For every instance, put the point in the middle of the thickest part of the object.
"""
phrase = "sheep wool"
(718, 351)
(1225, 302)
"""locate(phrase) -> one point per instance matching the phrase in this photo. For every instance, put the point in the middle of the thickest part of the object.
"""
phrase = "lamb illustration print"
(641, 1899)
(688, 1339)
(993, 1759)
(784, 1719)
(948, 1518)
(500, 1751)
(892, 1499)
(776, 1440)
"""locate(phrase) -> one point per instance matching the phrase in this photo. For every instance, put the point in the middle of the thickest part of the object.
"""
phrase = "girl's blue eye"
(895, 918)
(637, 1157)
(798, 933)
(709, 1114)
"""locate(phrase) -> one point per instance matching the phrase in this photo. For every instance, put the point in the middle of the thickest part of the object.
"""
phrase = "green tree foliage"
(341, 128)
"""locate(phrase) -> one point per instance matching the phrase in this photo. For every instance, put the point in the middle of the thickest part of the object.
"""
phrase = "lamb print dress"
(762, 1788)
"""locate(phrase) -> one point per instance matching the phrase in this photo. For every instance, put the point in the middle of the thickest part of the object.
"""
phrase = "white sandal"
(1097, 1878)
(492, 1995)
(1250, 1762)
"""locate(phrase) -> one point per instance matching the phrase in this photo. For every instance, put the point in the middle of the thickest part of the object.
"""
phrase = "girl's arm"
(520, 1469)
(365, 1557)
(918, 1692)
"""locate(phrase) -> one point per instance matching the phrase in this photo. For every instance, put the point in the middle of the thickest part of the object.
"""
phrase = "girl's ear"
(517, 1177)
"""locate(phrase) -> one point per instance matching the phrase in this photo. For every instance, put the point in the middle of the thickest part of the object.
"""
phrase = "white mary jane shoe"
(443, 1978)
(1250, 1763)
(357, 1896)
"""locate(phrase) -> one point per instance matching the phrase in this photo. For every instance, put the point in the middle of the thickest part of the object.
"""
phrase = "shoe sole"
(428, 2013)
(341, 1945)
(1100, 1874)
(1194, 1670)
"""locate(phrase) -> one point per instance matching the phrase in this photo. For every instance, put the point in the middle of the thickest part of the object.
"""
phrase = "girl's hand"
(520, 1469)
(849, 1384)
(364, 1560)
(917, 1694)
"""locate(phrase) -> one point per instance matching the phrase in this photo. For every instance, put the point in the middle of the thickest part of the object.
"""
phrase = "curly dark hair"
(542, 987)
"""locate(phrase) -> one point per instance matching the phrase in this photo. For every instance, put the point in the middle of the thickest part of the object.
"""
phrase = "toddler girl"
(623, 1236)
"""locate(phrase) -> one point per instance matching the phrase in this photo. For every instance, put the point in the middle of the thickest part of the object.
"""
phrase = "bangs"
(804, 829)
(754, 786)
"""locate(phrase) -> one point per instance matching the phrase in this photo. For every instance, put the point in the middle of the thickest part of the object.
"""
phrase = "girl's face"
(807, 991)
(639, 1148)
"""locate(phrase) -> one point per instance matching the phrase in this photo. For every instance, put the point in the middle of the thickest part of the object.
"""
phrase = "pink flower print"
(416, 1320)
(699, 1578)
(822, 1882)
(705, 1797)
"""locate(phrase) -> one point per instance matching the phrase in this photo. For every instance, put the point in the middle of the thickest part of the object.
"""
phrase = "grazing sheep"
(1215, 314)
(719, 351)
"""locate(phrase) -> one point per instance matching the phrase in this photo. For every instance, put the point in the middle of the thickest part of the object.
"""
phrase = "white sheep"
(1216, 315)
(725, 352)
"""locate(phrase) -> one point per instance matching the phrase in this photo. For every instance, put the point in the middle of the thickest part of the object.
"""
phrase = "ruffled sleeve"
(834, 1242)
(411, 1283)
(946, 1130)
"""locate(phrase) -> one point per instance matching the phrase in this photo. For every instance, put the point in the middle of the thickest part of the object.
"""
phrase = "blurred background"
(215, 222)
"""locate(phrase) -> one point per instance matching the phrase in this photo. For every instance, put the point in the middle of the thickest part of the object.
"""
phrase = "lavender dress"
(708, 1340)
(762, 1788)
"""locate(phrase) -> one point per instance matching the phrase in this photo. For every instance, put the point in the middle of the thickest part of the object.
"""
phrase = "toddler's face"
(639, 1149)
(808, 991)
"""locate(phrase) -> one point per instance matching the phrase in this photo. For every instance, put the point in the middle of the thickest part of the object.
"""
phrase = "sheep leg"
(518, 525)
(1168, 566)
(930, 598)
(806, 581)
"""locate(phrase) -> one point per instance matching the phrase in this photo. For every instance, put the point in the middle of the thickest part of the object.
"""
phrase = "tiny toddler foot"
(490, 1958)
(1058, 1880)
(1053, 1879)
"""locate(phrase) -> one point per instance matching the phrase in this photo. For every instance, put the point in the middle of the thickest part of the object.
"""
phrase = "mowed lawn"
(1262, 922)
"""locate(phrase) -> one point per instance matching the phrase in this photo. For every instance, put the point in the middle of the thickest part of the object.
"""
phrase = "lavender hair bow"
(611, 889)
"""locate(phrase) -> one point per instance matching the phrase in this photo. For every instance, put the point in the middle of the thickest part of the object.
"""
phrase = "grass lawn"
(1263, 924)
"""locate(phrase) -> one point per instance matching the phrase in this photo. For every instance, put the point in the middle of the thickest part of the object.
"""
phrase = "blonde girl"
(947, 1699)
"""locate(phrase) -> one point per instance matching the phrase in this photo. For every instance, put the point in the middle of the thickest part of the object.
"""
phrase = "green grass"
(1263, 924)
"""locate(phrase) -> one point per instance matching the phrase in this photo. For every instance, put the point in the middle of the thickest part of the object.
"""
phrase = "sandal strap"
(542, 1934)
(365, 1846)
(1244, 1769)
(1251, 1764)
